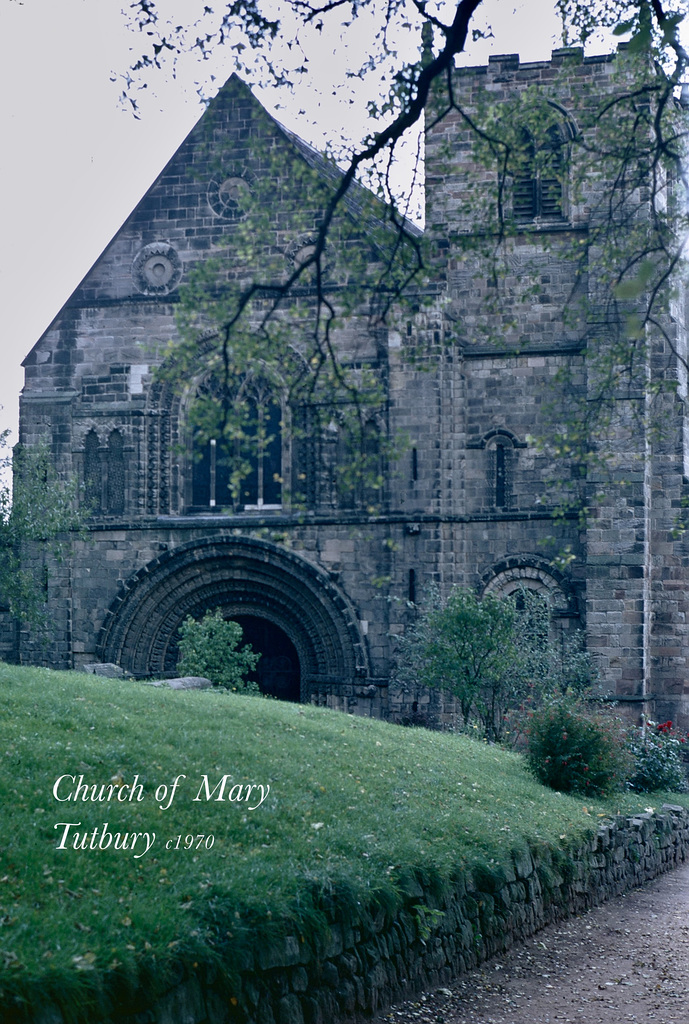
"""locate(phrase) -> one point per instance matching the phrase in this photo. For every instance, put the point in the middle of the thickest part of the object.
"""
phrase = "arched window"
(538, 176)
(115, 489)
(93, 481)
(501, 462)
(243, 468)
(525, 573)
(261, 447)
(534, 586)
(500, 457)
(359, 465)
(306, 450)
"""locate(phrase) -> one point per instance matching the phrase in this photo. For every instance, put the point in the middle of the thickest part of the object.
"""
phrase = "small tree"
(495, 655)
(466, 648)
(636, 140)
(209, 648)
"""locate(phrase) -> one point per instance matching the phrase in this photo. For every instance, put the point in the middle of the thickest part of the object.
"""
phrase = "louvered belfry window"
(537, 186)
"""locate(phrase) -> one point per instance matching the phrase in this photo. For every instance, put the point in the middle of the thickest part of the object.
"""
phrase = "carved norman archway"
(243, 577)
(537, 574)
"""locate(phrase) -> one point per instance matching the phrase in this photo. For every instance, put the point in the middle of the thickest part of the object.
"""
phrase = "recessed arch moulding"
(509, 575)
(243, 577)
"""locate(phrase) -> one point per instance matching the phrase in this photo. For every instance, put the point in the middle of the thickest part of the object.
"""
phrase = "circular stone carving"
(229, 197)
(157, 269)
(299, 252)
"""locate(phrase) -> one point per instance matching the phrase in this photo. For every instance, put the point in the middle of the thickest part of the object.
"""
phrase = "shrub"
(657, 760)
(465, 647)
(574, 748)
(209, 648)
(494, 655)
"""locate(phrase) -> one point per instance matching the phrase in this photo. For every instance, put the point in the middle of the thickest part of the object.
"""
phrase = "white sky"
(73, 164)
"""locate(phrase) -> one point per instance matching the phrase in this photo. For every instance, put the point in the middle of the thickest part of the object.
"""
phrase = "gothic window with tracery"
(242, 467)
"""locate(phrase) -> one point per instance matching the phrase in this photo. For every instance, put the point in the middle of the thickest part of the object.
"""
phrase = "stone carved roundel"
(229, 197)
(301, 249)
(157, 269)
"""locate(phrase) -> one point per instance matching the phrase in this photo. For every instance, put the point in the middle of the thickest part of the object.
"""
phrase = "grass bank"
(348, 806)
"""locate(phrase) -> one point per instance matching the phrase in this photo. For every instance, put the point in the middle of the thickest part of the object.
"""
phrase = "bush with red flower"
(576, 747)
(658, 764)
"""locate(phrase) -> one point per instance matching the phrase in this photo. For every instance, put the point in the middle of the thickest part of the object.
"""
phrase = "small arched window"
(537, 185)
(524, 578)
(243, 468)
(115, 489)
(360, 470)
(500, 459)
(93, 480)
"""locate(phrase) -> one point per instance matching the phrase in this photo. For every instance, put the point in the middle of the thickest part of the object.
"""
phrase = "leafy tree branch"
(635, 140)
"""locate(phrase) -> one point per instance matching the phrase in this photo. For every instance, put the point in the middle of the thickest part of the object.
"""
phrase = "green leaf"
(641, 41)
(624, 27)
(634, 286)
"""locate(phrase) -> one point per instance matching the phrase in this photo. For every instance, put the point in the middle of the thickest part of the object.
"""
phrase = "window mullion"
(261, 449)
(213, 454)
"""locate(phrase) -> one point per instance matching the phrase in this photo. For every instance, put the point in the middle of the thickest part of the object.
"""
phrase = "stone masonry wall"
(367, 963)
(470, 372)
(8, 637)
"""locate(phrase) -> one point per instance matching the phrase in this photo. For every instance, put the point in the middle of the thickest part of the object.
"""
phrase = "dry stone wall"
(373, 958)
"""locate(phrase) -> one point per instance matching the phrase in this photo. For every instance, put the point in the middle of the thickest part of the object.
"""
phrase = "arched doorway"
(291, 610)
(278, 672)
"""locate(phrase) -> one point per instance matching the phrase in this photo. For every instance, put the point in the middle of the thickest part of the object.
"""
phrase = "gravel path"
(625, 961)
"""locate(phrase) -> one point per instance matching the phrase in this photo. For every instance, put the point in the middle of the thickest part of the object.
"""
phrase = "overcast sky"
(73, 163)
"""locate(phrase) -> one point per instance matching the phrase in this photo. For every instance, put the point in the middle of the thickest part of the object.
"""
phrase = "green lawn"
(355, 806)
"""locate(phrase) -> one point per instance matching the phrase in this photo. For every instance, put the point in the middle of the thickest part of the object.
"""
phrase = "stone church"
(323, 586)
